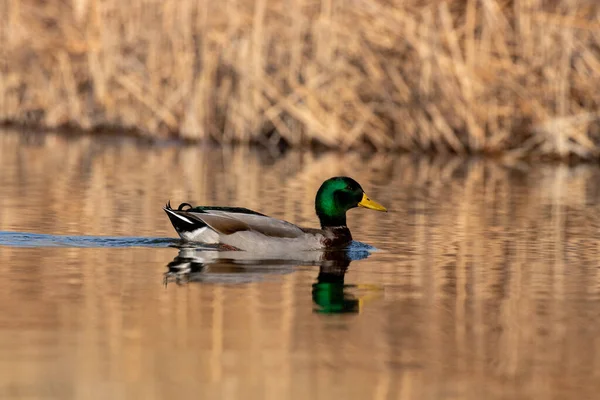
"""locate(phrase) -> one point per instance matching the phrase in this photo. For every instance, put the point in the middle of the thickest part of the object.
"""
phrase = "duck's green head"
(338, 195)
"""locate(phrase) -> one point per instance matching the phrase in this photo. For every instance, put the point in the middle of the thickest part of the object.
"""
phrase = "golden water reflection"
(486, 282)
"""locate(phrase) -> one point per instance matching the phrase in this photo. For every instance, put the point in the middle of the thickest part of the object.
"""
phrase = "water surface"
(485, 283)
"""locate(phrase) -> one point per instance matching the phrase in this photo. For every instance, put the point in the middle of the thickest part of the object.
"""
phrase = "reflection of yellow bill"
(373, 205)
(375, 291)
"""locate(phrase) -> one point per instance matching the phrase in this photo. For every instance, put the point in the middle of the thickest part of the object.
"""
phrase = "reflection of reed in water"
(490, 275)
(329, 293)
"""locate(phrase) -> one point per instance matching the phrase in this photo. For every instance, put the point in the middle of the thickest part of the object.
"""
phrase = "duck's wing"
(227, 223)
(229, 220)
(231, 210)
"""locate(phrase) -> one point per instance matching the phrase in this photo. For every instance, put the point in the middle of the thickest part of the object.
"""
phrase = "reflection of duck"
(210, 265)
(329, 292)
(243, 229)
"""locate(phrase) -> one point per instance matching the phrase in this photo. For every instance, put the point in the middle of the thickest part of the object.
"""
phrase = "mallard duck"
(236, 228)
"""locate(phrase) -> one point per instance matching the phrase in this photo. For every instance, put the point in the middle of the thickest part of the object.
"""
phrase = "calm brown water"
(486, 283)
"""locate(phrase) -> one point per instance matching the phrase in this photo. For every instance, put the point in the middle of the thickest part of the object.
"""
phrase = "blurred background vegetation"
(517, 77)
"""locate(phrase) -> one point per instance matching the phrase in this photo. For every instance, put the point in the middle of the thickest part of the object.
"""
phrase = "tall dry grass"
(518, 76)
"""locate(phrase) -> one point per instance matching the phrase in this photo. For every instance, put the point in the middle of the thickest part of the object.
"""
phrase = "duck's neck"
(337, 236)
(328, 221)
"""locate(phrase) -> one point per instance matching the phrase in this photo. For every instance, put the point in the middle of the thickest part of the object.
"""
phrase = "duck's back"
(242, 229)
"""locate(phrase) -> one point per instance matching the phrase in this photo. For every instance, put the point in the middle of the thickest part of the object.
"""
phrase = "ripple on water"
(25, 239)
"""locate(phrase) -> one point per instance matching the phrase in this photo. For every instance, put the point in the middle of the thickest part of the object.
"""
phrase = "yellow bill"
(373, 205)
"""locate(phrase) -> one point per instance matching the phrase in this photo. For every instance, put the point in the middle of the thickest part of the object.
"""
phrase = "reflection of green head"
(332, 299)
(329, 292)
(338, 195)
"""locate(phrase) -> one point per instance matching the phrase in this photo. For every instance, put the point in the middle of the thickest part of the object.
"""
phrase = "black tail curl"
(180, 208)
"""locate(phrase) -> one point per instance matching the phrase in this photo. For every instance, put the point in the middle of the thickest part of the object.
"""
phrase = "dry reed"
(516, 76)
